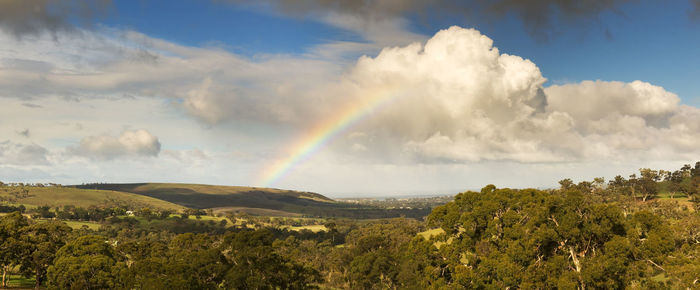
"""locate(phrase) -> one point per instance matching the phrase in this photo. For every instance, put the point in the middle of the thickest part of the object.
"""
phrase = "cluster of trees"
(131, 255)
(562, 239)
(586, 235)
(30, 247)
(240, 260)
(53, 253)
(5, 208)
(647, 185)
(274, 221)
(98, 214)
(91, 213)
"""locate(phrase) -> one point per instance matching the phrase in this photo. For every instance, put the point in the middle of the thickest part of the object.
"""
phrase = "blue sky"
(209, 23)
(225, 91)
(653, 41)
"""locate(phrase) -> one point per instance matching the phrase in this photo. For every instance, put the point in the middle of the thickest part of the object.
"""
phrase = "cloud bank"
(455, 99)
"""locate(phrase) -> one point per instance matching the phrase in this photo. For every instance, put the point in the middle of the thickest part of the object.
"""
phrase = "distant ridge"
(253, 200)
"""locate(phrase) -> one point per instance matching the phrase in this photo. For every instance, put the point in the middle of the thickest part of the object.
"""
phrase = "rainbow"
(323, 132)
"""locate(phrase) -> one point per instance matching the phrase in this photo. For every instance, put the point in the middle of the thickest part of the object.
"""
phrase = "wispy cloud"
(24, 133)
(18, 154)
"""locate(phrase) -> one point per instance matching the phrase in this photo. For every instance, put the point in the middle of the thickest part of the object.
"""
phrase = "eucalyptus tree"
(11, 248)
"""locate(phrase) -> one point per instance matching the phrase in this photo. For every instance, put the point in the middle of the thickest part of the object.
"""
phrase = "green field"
(19, 282)
(313, 228)
(76, 224)
(79, 225)
(431, 233)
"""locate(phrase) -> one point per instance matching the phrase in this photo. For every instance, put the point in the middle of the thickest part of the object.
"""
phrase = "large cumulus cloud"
(458, 99)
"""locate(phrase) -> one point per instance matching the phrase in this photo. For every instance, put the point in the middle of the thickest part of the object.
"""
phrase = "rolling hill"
(58, 196)
(253, 200)
(201, 196)
(179, 196)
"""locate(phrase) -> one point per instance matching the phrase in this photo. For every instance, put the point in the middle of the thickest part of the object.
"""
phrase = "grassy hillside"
(251, 199)
(213, 196)
(32, 196)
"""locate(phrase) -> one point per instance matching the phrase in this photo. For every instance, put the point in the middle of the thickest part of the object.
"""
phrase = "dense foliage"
(641, 232)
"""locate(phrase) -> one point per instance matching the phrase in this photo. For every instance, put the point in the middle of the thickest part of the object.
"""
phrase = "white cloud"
(209, 83)
(591, 100)
(189, 156)
(129, 143)
(458, 99)
(12, 153)
(452, 101)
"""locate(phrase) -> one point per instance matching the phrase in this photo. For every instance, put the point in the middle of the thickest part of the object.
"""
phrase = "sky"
(347, 97)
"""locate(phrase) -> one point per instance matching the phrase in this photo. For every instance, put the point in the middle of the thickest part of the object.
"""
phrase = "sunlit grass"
(60, 196)
(432, 233)
(18, 281)
(313, 228)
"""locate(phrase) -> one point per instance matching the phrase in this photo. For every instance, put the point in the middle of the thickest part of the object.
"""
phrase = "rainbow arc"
(324, 132)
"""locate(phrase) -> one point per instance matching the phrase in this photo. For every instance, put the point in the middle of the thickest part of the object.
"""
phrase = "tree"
(566, 183)
(197, 262)
(42, 241)
(620, 186)
(647, 183)
(677, 180)
(373, 270)
(44, 212)
(11, 248)
(610, 270)
(695, 182)
(88, 262)
(255, 264)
